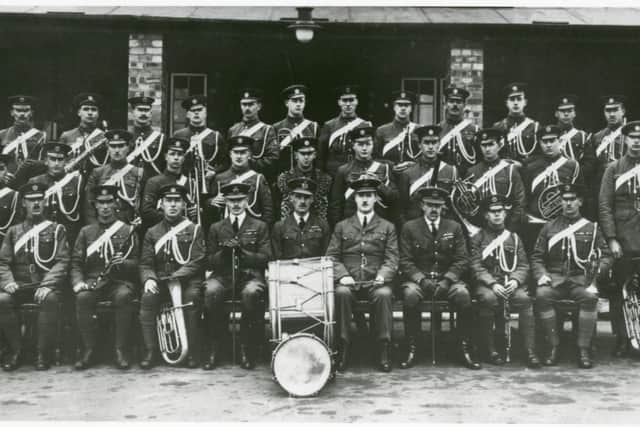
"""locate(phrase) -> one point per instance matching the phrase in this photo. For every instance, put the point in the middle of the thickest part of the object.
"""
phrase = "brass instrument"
(550, 203)
(465, 201)
(80, 158)
(107, 269)
(506, 313)
(171, 326)
(631, 306)
(197, 182)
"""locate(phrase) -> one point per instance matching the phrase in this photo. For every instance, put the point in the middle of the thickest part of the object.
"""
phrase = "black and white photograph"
(320, 212)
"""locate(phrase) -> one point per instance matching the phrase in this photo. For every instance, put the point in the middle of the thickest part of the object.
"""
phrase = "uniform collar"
(517, 119)
(298, 217)
(240, 217)
(141, 129)
(429, 222)
(251, 122)
(361, 217)
(197, 129)
(296, 120)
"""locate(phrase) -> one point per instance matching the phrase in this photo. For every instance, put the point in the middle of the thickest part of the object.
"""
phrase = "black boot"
(192, 361)
(465, 353)
(384, 363)
(552, 358)
(532, 359)
(148, 359)
(212, 361)
(121, 359)
(246, 361)
(12, 361)
(621, 348)
(584, 358)
(411, 354)
(42, 362)
(343, 357)
(486, 325)
(85, 361)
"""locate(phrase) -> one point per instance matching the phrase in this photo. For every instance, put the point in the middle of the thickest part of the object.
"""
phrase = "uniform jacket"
(320, 205)
(487, 271)
(529, 139)
(265, 152)
(283, 129)
(155, 151)
(288, 241)
(408, 149)
(455, 157)
(10, 210)
(618, 148)
(364, 254)
(330, 158)
(77, 135)
(133, 182)
(34, 144)
(72, 195)
(214, 149)
(149, 210)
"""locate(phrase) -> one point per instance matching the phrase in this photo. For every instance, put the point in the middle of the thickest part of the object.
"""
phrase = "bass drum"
(301, 364)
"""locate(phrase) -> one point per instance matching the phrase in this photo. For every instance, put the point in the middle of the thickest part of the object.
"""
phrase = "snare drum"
(301, 364)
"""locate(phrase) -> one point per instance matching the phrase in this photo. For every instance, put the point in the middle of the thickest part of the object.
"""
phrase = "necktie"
(235, 225)
(434, 230)
(301, 224)
(364, 222)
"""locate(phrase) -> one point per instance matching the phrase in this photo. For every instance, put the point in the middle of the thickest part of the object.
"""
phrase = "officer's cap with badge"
(106, 193)
(240, 143)
(33, 190)
(302, 185)
(362, 133)
(347, 91)
(87, 98)
(173, 191)
(549, 131)
(294, 91)
(251, 94)
(366, 183)
(194, 101)
(484, 136)
(235, 190)
(402, 97)
(514, 88)
(578, 190)
(613, 100)
(305, 144)
(134, 101)
(453, 92)
(22, 100)
(631, 129)
(430, 133)
(117, 137)
(493, 202)
(433, 195)
(566, 102)
(177, 144)
(56, 149)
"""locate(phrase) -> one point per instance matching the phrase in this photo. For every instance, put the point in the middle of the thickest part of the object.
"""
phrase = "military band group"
(515, 216)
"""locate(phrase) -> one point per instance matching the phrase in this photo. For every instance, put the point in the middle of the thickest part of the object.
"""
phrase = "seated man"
(34, 260)
(239, 242)
(564, 265)
(173, 254)
(433, 258)
(364, 250)
(104, 264)
(500, 268)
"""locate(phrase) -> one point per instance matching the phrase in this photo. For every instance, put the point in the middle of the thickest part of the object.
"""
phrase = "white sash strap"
(495, 243)
(567, 232)
(372, 169)
(143, 146)
(553, 167)
(242, 178)
(630, 174)
(4, 191)
(117, 177)
(294, 133)
(517, 131)
(182, 180)
(567, 136)
(398, 138)
(345, 129)
(424, 178)
(607, 140)
(57, 187)
(20, 142)
(106, 236)
(253, 129)
(36, 230)
(454, 132)
(171, 234)
(196, 140)
(490, 173)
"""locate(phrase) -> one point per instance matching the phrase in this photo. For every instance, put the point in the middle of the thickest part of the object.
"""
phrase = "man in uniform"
(422, 173)
(238, 242)
(8, 199)
(302, 234)
(521, 131)
(457, 132)
(341, 203)
(562, 264)
(34, 261)
(304, 153)
(395, 141)
(172, 174)
(495, 176)
(364, 250)
(148, 143)
(433, 259)
(173, 254)
(87, 134)
(21, 141)
(128, 178)
(334, 148)
(294, 126)
(104, 266)
(500, 269)
(265, 150)
(619, 208)
(64, 191)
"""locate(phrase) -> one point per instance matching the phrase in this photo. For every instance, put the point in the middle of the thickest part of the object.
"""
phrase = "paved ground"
(609, 393)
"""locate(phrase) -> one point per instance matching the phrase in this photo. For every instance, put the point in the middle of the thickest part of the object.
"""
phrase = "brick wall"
(466, 70)
(146, 72)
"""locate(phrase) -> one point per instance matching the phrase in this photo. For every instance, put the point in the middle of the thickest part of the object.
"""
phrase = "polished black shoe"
(121, 360)
(343, 359)
(532, 359)
(384, 363)
(11, 362)
(42, 363)
(495, 358)
(467, 360)
(621, 348)
(411, 355)
(147, 359)
(552, 358)
(584, 359)
(246, 362)
(85, 361)
(212, 361)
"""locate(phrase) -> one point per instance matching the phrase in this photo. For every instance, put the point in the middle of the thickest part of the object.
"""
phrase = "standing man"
(433, 259)
(500, 269)
(239, 249)
(265, 150)
(173, 254)
(34, 261)
(562, 267)
(104, 266)
(457, 132)
(302, 234)
(21, 141)
(334, 148)
(148, 143)
(364, 250)
(304, 153)
(127, 178)
(521, 131)
(342, 204)
(619, 206)
(294, 125)
(8, 199)
(395, 141)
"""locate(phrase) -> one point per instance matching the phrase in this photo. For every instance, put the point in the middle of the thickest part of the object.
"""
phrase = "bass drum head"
(301, 364)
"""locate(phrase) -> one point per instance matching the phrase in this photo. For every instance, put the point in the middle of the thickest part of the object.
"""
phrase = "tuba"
(550, 202)
(631, 308)
(465, 201)
(171, 327)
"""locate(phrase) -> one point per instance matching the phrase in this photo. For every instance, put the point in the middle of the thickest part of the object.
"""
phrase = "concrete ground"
(609, 393)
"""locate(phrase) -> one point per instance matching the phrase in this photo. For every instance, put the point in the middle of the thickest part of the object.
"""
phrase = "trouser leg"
(411, 297)
(381, 300)
(85, 309)
(487, 307)
(251, 326)
(123, 306)
(149, 309)
(48, 320)
(459, 297)
(526, 323)
(9, 323)
(192, 294)
(587, 316)
(545, 295)
(214, 294)
(344, 310)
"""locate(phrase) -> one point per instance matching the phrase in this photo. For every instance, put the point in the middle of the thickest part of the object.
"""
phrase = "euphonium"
(171, 327)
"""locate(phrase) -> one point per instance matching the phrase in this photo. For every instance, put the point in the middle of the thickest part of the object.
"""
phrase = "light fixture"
(304, 25)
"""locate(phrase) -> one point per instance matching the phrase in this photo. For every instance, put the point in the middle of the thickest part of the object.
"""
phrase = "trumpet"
(171, 326)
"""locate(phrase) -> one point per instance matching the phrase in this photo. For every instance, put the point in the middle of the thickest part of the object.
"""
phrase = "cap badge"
(21, 99)
(34, 187)
(105, 191)
(297, 91)
(514, 88)
(306, 143)
(347, 89)
(565, 101)
(304, 185)
(362, 132)
(246, 94)
(455, 91)
(637, 128)
(485, 136)
(116, 136)
(57, 149)
(90, 98)
(403, 95)
(236, 189)
(430, 131)
(610, 100)
(548, 129)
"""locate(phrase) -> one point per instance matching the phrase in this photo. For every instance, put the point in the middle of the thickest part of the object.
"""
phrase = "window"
(425, 110)
(184, 85)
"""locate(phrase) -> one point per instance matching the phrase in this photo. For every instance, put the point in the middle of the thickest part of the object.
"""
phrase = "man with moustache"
(148, 143)
(457, 133)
